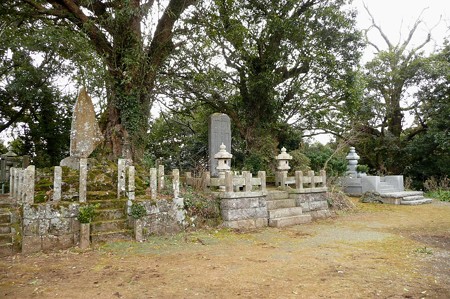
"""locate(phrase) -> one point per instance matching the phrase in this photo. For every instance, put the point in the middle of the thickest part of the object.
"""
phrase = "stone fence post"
(83, 180)
(311, 176)
(28, 185)
(247, 181)
(176, 183)
(299, 180)
(228, 181)
(153, 183)
(12, 174)
(131, 183)
(121, 177)
(323, 174)
(161, 182)
(262, 177)
(57, 181)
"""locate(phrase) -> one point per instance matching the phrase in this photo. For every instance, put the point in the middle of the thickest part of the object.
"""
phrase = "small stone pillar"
(223, 163)
(121, 177)
(282, 167)
(29, 184)
(131, 183)
(352, 160)
(262, 177)
(153, 183)
(83, 180)
(57, 181)
(12, 175)
(161, 181)
(176, 183)
(85, 233)
(299, 180)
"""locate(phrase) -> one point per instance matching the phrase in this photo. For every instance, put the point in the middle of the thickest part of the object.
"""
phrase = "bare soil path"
(377, 251)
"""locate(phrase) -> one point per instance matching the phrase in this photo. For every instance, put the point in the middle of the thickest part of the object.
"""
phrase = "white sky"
(397, 16)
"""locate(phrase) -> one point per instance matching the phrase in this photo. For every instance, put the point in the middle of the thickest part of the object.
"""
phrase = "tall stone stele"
(85, 134)
(219, 132)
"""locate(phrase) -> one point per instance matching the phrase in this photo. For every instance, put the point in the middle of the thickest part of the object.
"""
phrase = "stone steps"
(109, 204)
(123, 234)
(6, 236)
(110, 222)
(406, 198)
(417, 202)
(111, 214)
(108, 225)
(280, 203)
(283, 211)
(289, 221)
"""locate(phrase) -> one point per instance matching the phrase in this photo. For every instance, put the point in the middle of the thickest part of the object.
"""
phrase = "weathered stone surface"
(289, 221)
(85, 133)
(31, 244)
(241, 203)
(318, 205)
(246, 224)
(320, 214)
(242, 214)
(219, 131)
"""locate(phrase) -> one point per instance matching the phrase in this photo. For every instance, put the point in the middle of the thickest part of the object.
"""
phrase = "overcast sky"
(398, 16)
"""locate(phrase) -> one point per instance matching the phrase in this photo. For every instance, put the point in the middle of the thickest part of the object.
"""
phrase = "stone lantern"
(352, 160)
(282, 167)
(223, 162)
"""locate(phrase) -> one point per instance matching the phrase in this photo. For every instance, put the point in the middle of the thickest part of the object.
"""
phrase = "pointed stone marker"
(85, 134)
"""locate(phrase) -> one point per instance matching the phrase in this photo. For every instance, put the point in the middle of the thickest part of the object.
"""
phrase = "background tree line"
(281, 70)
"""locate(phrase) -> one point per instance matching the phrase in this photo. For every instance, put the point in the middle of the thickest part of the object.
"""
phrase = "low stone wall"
(312, 203)
(244, 209)
(49, 226)
(164, 216)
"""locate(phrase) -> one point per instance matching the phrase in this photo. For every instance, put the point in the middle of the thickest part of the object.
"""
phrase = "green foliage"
(299, 161)
(318, 154)
(362, 168)
(266, 64)
(201, 208)
(424, 250)
(86, 213)
(137, 210)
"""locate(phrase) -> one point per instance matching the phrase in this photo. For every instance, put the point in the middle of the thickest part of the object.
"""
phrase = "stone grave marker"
(85, 134)
(219, 131)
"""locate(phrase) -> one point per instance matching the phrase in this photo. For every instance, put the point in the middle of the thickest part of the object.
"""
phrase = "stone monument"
(85, 134)
(219, 132)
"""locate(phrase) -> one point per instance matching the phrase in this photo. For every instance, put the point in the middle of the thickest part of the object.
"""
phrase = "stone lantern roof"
(223, 154)
(352, 155)
(283, 155)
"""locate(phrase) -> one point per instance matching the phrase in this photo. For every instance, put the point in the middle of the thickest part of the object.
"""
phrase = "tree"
(28, 100)
(275, 67)
(388, 77)
(428, 148)
(132, 56)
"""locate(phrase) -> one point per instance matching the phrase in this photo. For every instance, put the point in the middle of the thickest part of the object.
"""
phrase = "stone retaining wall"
(49, 226)
(164, 216)
(244, 209)
(313, 203)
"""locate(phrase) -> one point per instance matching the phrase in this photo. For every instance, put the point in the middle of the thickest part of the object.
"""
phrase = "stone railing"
(303, 183)
(231, 182)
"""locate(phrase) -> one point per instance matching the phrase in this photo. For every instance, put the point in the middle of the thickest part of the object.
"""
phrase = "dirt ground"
(376, 251)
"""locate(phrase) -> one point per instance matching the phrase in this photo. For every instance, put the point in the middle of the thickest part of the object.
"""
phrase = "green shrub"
(86, 213)
(137, 210)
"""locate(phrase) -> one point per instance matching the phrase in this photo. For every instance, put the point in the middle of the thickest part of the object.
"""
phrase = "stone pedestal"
(138, 230)
(85, 233)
